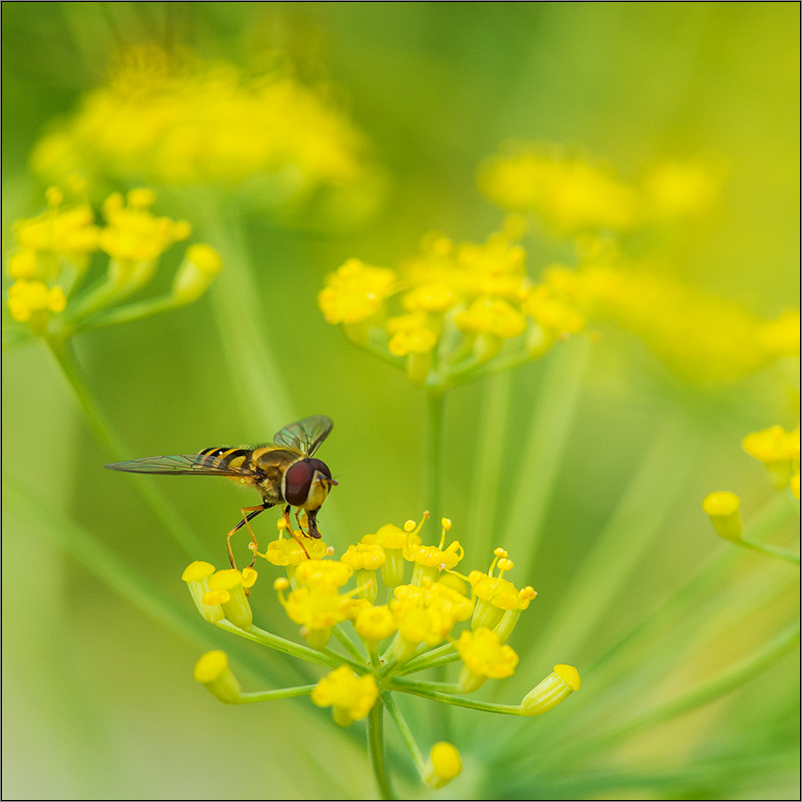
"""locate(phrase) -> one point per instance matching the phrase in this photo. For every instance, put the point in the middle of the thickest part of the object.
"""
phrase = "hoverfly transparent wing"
(203, 464)
(305, 435)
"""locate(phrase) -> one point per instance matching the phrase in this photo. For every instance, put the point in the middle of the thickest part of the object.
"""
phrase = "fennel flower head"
(184, 121)
(452, 311)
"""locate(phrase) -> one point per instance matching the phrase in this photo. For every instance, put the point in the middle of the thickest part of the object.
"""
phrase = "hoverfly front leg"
(290, 529)
(246, 519)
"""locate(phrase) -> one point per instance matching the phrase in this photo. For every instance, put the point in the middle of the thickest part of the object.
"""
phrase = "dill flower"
(484, 657)
(49, 256)
(170, 119)
(451, 309)
(560, 684)
(723, 508)
(351, 696)
(212, 670)
(705, 339)
(574, 193)
(443, 765)
(571, 193)
(778, 450)
(422, 616)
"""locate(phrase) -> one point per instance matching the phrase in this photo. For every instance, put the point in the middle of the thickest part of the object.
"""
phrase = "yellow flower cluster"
(412, 632)
(572, 193)
(180, 120)
(50, 254)
(451, 308)
(704, 339)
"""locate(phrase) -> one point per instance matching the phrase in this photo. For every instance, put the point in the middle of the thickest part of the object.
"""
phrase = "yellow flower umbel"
(574, 193)
(704, 339)
(351, 696)
(50, 254)
(450, 310)
(172, 118)
(570, 193)
(330, 598)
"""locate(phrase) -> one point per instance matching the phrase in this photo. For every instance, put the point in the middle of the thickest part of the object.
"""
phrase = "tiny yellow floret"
(351, 696)
(213, 671)
(558, 686)
(723, 508)
(443, 766)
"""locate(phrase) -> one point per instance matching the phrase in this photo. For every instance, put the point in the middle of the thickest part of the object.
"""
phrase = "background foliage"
(99, 700)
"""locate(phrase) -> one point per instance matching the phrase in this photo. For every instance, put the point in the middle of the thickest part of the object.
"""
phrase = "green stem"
(491, 439)
(748, 668)
(184, 535)
(348, 644)
(406, 733)
(258, 635)
(651, 493)
(378, 757)
(434, 657)
(767, 548)
(425, 689)
(543, 449)
(54, 529)
(126, 314)
(270, 696)
(435, 401)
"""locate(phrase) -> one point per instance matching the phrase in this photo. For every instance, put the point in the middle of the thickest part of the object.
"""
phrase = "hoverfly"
(284, 472)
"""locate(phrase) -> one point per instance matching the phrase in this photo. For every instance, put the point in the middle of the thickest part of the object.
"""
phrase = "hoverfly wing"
(305, 435)
(202, 464)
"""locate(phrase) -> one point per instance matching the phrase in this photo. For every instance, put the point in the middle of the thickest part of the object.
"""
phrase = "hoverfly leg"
(290, 529)
(246, 519)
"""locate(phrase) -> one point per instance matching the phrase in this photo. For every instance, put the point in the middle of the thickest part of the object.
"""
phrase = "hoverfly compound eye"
(321, 466)
(297, 481)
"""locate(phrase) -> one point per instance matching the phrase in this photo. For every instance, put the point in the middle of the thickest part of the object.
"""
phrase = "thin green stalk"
(348, 644)
(428, 691)
(543, 449)
(491, 437)
(435, 401)
(768, 548)
(768, 654)
(125, 314)
(264, 399)
(59, 531)
(259, 635)
(270, 696)
(405, 732)
(184, 535)
(378, 756)
(649, 498)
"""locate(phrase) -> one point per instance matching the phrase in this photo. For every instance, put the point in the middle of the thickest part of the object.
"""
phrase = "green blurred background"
(98, 697)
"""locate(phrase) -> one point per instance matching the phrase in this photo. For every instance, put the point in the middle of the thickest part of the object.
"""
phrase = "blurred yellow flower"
(180, 120)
